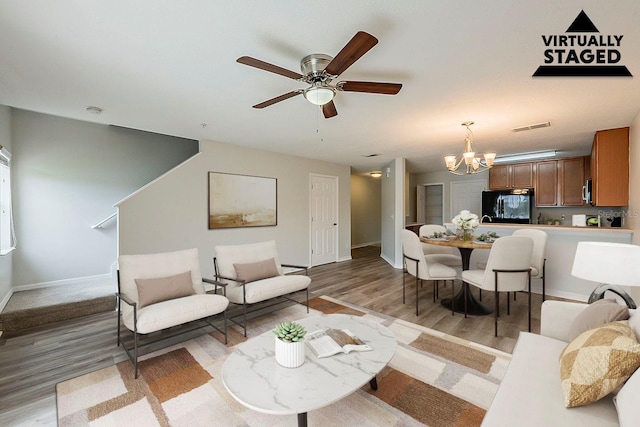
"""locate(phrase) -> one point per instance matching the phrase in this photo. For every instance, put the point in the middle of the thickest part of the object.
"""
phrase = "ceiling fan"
(318, 70)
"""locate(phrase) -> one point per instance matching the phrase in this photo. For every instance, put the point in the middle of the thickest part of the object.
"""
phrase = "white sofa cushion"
(175, 312)
(627, 401)
(530, 394)
(272, 287)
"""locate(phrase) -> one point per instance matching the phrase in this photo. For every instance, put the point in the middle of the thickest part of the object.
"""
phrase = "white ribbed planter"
(289, 354)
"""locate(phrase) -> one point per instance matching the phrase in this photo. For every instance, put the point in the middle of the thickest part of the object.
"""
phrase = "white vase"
(289, 354)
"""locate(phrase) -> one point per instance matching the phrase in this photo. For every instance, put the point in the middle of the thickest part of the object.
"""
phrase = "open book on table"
(327, 342)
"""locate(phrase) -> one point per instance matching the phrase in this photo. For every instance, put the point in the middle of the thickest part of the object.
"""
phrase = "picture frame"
(237, 201)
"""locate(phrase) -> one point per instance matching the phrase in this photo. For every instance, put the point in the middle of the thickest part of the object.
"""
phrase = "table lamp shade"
(610, 263)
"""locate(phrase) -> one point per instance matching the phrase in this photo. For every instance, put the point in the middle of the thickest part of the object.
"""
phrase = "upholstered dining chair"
(416, 264)
(440, 254)
(538, 260)
(508, 270)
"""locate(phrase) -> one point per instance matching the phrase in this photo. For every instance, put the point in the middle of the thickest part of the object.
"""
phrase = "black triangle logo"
(582, 24)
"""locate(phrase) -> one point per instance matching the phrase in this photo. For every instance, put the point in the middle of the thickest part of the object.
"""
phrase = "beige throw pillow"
(253, 271)
(598, 313)
(151, 291)
(597, 362)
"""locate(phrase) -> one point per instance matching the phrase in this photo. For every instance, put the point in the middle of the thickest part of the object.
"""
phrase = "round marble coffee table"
(253, 378)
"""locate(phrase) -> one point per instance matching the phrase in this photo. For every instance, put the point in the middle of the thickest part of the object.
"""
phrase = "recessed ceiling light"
(531, 127)
(376, 174)
(94, 110)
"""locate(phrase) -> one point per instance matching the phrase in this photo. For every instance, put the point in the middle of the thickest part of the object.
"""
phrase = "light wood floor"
(31, 365)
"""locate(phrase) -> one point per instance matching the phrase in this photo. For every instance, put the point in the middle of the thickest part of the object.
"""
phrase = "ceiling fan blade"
(370, 87)
(278, 99)
(253, 62)
(329, 110)
(357, 46)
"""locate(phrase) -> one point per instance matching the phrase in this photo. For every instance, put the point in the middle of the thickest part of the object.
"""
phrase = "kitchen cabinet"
(559, 182)
(610, 168)
(546, 190)
(505, 177)
(571, 181)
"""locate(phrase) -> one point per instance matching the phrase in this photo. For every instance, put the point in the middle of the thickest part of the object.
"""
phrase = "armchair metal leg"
(135, 355)
(497, 306)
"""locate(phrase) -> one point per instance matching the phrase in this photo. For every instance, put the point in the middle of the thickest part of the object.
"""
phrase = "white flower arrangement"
(466, 220)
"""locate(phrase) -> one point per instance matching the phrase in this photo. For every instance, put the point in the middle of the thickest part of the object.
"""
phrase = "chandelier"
(472, 163)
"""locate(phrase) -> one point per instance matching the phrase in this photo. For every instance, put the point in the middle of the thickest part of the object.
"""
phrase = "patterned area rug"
(433, 379)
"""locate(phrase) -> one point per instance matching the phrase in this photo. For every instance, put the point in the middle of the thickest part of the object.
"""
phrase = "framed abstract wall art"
(242, 201)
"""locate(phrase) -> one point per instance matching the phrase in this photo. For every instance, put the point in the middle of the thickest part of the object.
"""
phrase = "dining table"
(457, 303)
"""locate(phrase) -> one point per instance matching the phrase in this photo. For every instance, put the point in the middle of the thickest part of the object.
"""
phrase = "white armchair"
(253, 273)
(163, 290)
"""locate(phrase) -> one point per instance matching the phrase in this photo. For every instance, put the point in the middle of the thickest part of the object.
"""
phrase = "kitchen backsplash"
(565, 214)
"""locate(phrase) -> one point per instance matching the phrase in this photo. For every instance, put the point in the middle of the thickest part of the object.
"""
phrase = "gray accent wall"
(365, 210)
(172, 212)
(67, 175)
(5, 260)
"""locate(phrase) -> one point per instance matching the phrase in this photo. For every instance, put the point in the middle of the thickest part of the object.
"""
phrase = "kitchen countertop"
(551, 228)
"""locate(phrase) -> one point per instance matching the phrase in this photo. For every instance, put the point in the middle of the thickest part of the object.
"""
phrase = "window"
(7, 235)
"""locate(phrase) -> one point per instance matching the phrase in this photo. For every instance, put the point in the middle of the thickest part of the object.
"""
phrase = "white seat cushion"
(441, 272)
(272, 287)
(175, 312)
(474, 277)
(530, 394)
(446, 259)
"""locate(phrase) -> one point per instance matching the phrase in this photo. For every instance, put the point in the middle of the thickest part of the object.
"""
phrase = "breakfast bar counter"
(561, 248)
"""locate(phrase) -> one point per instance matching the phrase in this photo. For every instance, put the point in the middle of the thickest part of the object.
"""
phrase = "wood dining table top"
(457, 243)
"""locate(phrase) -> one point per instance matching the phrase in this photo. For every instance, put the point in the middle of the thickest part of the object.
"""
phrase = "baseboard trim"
(64, 282)
(362, 245)
(345, 258)
(5, 300)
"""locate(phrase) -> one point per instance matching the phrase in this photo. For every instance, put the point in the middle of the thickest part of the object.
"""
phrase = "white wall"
(5, 261)
(446, 178)
(392, 212)
(365, 210)
(172, 213)
(67, 174)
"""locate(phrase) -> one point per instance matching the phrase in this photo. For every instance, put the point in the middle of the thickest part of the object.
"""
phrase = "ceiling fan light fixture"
(319, 95)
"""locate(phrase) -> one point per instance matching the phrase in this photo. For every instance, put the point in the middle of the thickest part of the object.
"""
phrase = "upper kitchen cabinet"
(610, 167)
(517, 175)
(559, 182)
(571, 181)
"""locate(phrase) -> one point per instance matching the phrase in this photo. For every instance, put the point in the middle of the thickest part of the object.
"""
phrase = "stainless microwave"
(587, 191)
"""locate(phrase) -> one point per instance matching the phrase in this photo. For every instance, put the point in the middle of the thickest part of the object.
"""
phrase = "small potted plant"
(289, 344)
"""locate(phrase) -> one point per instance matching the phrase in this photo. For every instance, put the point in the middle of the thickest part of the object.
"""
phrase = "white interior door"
(324, 219)
(467, 195)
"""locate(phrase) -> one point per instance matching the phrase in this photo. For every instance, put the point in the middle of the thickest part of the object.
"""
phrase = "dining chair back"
(417, 265)
(441, 254)
(508, 270)
(538, 259)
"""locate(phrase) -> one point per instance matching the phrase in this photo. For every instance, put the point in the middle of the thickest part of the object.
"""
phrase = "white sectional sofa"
(530, 395)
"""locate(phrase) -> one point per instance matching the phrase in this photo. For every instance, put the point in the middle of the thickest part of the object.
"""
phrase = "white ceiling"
(170, 66)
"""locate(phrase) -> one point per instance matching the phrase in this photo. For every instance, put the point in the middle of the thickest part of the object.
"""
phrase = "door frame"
(430, 184)
(337, 212)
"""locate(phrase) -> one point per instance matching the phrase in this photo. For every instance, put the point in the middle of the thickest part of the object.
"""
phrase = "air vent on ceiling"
(531, 127)
(371, 155)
